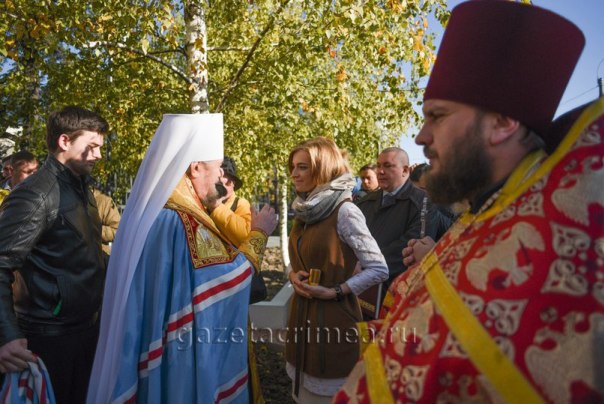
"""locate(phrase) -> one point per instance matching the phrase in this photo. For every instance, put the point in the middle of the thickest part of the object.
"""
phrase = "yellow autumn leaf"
(426, 64)
(417, 44)
(341, 73)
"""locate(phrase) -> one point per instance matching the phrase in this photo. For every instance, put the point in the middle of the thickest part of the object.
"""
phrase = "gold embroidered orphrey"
(205, 247)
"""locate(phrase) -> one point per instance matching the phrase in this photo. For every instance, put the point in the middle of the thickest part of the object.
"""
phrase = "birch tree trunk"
(284, 183)
(32, 108)
(197, 55)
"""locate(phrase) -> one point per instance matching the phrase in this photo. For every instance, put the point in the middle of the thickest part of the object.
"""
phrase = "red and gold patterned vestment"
(528, 274)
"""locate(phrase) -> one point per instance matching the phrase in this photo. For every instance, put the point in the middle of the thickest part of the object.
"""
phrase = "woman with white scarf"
(329, 239)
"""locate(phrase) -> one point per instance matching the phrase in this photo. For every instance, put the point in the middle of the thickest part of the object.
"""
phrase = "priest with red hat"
(509, 304)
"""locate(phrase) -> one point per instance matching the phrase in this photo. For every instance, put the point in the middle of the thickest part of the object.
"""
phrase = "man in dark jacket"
(51, 235)
(394, 213)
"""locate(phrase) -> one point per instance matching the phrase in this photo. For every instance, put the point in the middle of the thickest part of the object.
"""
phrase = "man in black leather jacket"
(51, 237)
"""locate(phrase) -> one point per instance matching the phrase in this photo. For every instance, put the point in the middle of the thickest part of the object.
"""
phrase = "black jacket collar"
(64, 174)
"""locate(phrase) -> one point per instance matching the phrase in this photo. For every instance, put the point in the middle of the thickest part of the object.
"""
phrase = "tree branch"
(125, 62)
(119, 45)
(233, 84)
(228, 49)
(178, 50)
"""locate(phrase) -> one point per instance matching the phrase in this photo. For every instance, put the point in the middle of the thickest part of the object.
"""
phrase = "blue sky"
(588, 15)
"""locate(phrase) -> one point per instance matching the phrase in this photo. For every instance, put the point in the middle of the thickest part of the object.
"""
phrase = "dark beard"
(464, 172)
(219, 192)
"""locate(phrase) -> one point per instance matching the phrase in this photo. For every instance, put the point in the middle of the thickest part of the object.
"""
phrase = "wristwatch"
(339, 293)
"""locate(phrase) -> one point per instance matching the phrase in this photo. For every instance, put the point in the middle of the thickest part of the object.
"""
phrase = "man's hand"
(265, 220)
(416, 250)
(14, 356)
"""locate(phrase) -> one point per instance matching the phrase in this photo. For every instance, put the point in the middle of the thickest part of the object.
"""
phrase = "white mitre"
(180, 140)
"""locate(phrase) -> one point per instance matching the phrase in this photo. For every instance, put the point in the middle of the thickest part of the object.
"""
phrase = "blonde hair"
(327, 160)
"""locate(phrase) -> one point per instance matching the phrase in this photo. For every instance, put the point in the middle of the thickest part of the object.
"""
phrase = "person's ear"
(194, 169)
(502, 128)
(63, 142)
